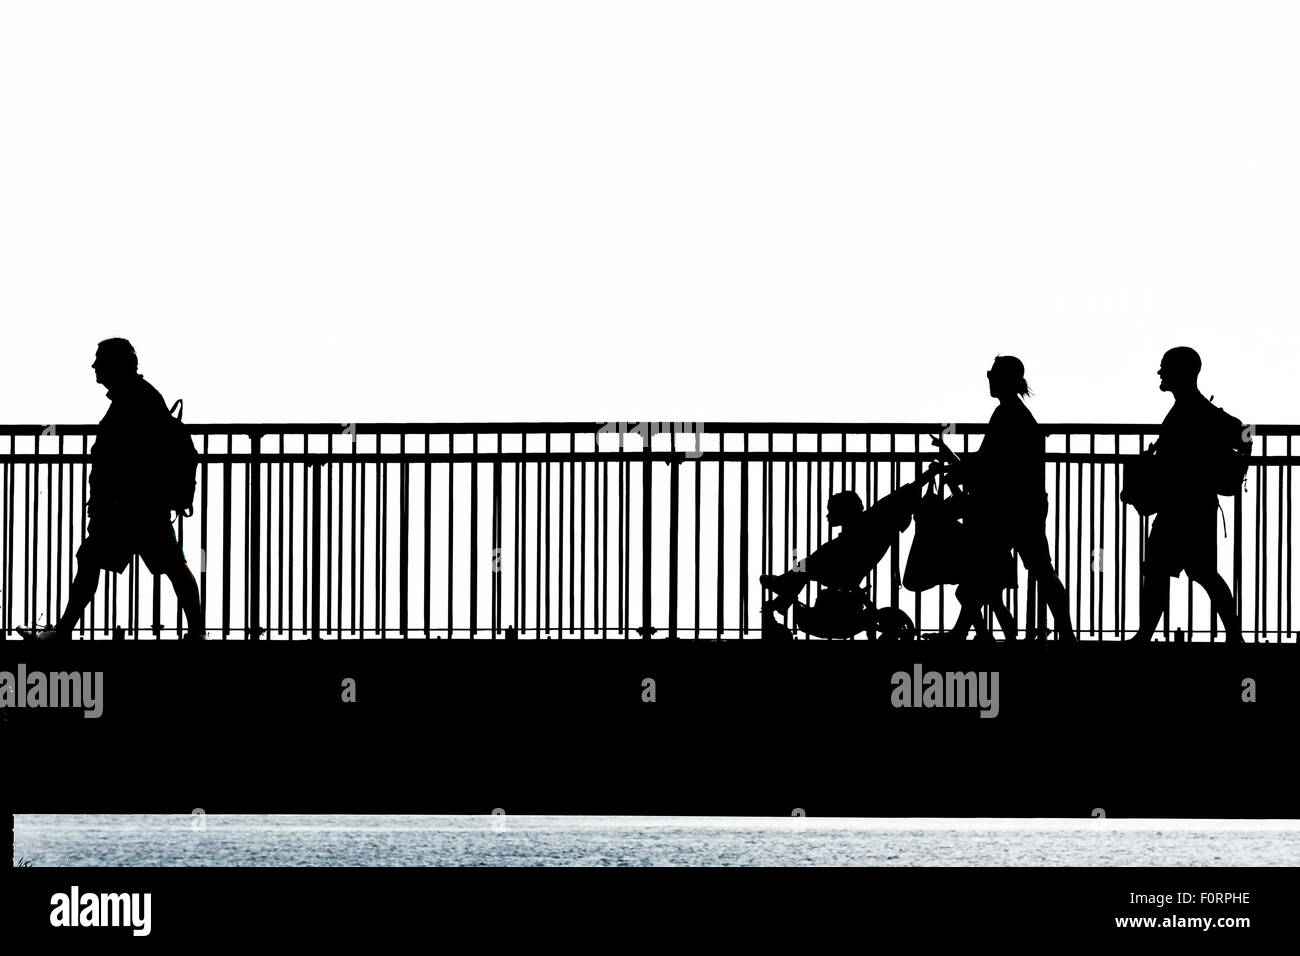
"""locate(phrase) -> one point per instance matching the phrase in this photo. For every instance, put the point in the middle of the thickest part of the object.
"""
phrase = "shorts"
(1185, 539)
(113, 539)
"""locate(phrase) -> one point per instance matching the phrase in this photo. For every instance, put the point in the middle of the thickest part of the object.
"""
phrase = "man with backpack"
(141, 462)
(1201, 453)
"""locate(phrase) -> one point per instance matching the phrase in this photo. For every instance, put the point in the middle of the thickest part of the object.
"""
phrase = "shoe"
(195, 636)
(47, 634)
(1135, 639)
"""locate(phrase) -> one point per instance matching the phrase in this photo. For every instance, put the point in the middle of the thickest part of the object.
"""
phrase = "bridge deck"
(735, 728)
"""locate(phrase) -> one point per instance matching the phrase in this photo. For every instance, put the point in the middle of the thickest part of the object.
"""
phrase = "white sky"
(675, 211)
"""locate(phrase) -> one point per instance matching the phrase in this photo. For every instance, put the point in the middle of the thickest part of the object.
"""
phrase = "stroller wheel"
(893, 624)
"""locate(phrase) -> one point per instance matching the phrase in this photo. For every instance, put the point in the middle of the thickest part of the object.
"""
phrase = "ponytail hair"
(1011, 370)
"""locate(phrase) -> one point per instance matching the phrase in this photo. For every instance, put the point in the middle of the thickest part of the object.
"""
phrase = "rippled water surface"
(328, 840)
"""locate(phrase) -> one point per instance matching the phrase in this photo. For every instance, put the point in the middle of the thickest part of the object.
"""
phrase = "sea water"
(200, 839)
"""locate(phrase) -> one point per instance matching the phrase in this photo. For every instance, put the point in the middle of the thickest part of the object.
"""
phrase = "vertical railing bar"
(627, 543)
(497, 521)
(328, 465)
(381, 544)
(306, 539)
(559, 542)
(253, 626)
(280, 549)
(315, 548)
(918, 467)
(1093, 555)
(1121, 545)
(516, 554)
(809, 591)
(1281, 481)
(203, 520)
(542, 536)
(1261, 624)
(573, 525)
(597, 562)
(289, 538)
(404, 545)
(360, 571)
(619, 584)
(673, 501)
(790, 534)
(6, 579)
(338, 558)
(58, 534)
(451, 540)
(696, 567)
(544, 539)
(1256, 580)
(226, 477)
(473, 538)
(647, 538)
(29, 544)
(742, 583)
(356, 545)
(1237, 550)
(764, 517)
(720, 607)
(49, 537)
(604, 551)
(426, 578)
(521, 572)
(895, 577)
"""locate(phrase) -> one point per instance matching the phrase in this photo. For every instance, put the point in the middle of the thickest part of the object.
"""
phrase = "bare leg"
(1005, 619)
(1037, 557)
(1151, 603)
(80, 594)
(1221, 602)
(786, 586)
(1053, 591)
(187, 593)
(971, 616)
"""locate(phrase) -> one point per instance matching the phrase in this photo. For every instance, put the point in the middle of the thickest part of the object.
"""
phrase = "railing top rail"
(582, 428)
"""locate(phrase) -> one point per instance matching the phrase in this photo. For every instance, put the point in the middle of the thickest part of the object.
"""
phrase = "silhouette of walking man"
(1183, 533)
(1005, 483)
(128, 508)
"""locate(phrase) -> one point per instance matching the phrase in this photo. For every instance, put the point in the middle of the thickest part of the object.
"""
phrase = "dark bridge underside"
(736, 728)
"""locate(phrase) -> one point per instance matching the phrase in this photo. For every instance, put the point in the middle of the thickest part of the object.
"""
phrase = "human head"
(842, 507)
(115, 359)
(1007, 377)
(1178, 369)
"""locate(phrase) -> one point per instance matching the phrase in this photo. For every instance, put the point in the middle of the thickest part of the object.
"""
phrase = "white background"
(674, 211)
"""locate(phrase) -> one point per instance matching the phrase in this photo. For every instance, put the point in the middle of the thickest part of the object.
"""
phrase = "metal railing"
(586, 529)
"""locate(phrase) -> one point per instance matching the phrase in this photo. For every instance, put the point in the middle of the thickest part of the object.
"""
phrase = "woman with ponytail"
(1007, 508)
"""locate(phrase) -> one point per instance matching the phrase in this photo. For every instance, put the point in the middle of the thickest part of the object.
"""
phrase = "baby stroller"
(844, 608)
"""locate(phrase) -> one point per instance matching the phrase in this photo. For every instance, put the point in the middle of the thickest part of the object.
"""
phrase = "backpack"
(178, 469)
(1231, 455)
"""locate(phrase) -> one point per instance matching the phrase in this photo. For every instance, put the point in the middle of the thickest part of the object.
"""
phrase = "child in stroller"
(844, 608)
